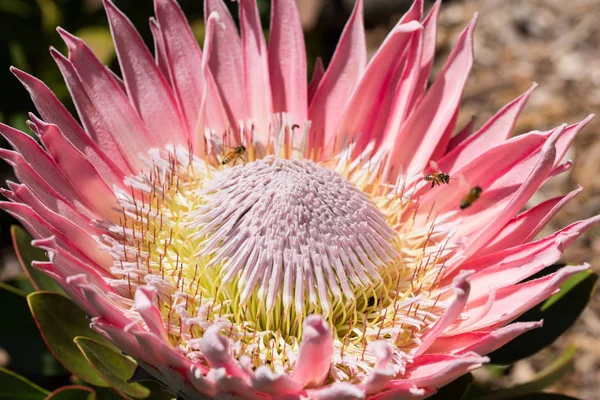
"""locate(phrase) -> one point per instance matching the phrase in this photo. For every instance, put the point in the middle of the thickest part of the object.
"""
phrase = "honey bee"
(234, 154)
(438, 177)
(470, 197)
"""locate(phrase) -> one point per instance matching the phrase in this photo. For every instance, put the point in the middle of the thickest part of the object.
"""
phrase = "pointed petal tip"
(17, 72)
(70, 40)
(49, 243)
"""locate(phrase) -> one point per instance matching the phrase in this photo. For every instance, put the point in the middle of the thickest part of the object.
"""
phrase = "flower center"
(258, 247)
(290, 236)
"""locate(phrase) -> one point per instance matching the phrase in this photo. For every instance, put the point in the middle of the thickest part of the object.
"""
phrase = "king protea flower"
(238, 231)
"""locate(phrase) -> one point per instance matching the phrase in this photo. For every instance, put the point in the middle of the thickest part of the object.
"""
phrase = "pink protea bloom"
(315, 261)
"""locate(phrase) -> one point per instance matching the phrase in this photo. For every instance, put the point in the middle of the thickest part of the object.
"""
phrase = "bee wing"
(435, 166)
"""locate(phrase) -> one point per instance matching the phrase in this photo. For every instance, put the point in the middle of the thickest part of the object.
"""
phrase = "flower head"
(237, 231)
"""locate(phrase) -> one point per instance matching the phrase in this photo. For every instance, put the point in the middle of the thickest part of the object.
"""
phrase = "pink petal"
(232, 384)
(159, 351)
(54, 112)
(530, 185)
(481, 342)
(401, 103)
(442, 146)
(435, 370)
(414, 143)
(80, 171)
(314, 356)
(213, 115)
(73, 262)
(343, 74)
(201, 383)
(526, 225)
(507, 182)
(414, 13)
(215, 348)
(146, 87)
(564, 142)
(461, 288)
(266, 381)
(70, 226)
(511, 301)
(375, 85)
(101, 305)
(90, 117)
(462, 135)
(489, 167)
(411, 393)
(428, 53)
(515, 264)
(498, 338)
(33, 222)
(183, 60)
(74, 294)
(123, 340)
(144, 304)
(114, 110)
(494, 132)
(29, 177)
(226, 62)
(287, 61)
(160, 54)
(380, 375)
(318, 72)
(396, 82)
(337, 391)
(32, 159)
(24, 194)
(256, 70)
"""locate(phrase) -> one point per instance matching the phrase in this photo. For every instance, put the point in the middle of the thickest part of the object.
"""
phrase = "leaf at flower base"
(547, 377)
(21, 339)
(26, 253)
(23, 283)
(559, 312)
(457, 389)
(72, 392)
(60, 321)
(14, 386)
(116, 369)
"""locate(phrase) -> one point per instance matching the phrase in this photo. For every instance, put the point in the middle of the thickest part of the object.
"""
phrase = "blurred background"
(517, 42)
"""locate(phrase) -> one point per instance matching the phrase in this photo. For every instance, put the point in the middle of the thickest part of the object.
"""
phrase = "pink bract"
(316, 261)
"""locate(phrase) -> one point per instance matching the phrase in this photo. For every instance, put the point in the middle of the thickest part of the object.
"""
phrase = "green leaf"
(114, 367)
(21, 339)
(565, 288)
(26, 253)
(13, 386)
(60, 321)
(559, 312)
(23, 283)
(72, 392)
(559, 368)
(456, 390)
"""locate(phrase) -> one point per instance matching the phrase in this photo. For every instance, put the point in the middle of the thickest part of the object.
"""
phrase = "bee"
(471, 197)
(233, 155)
(438, 177)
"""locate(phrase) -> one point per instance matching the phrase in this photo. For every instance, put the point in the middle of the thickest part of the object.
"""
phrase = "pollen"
(260, 246)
